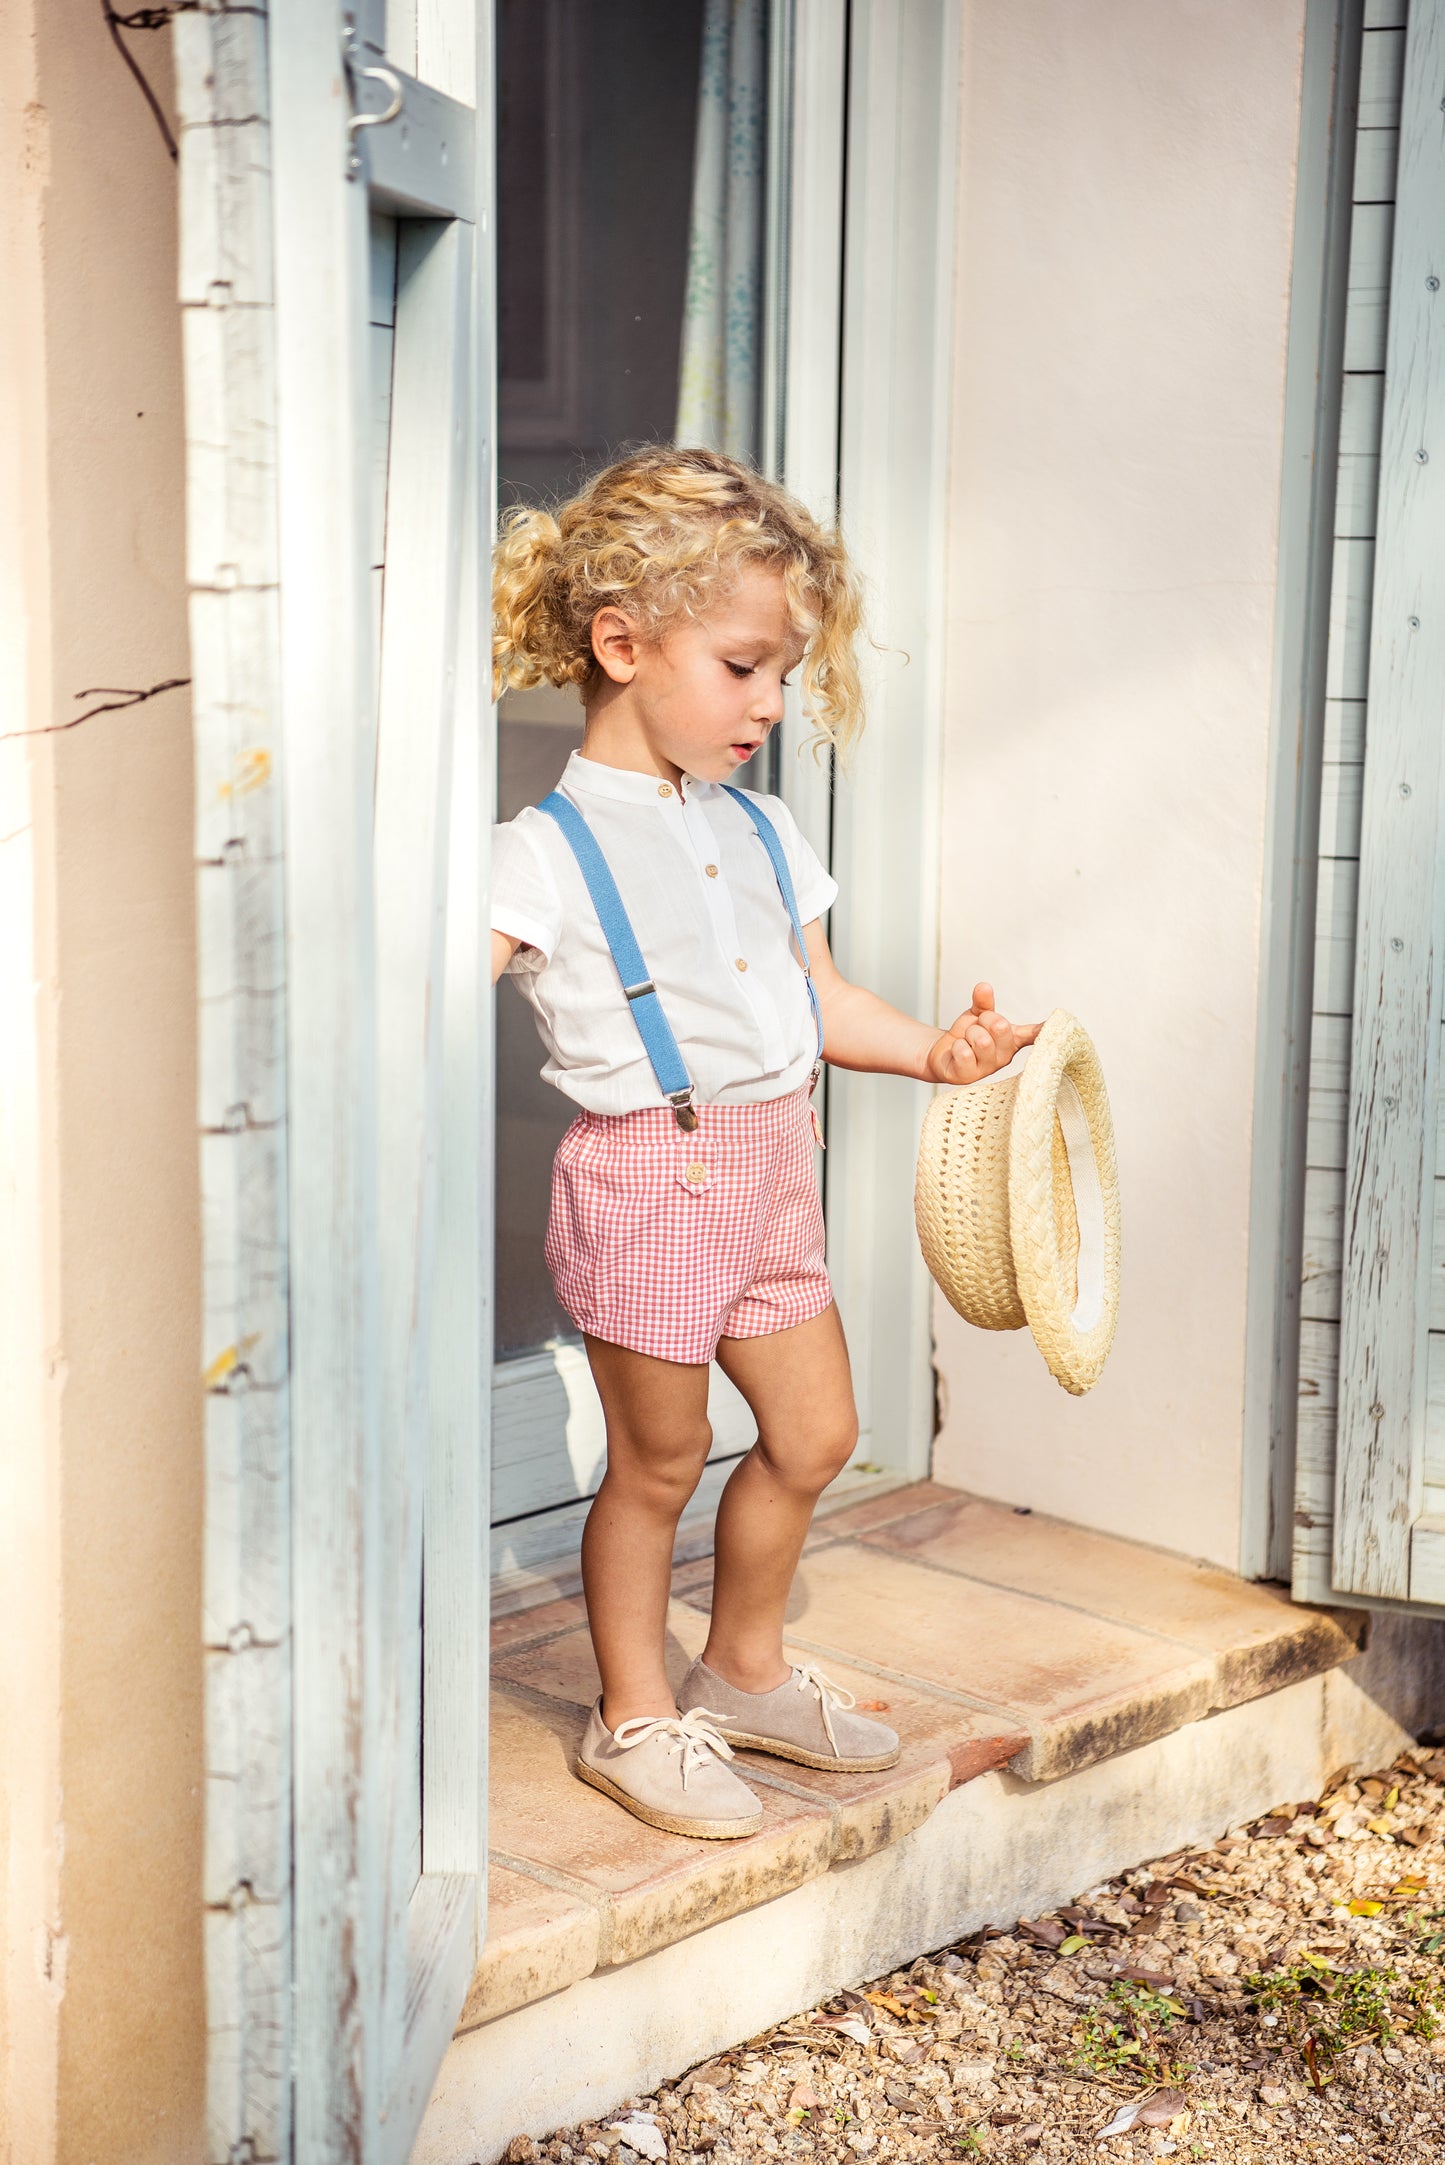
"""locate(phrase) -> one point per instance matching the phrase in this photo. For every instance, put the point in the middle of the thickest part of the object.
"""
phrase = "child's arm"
(861, 1031)
(503, 949)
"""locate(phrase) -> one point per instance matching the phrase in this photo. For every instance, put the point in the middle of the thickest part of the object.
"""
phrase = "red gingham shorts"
(666, 1242)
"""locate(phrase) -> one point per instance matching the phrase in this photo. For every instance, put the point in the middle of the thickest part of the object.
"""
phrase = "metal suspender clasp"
(683, 1110)
(640, 992)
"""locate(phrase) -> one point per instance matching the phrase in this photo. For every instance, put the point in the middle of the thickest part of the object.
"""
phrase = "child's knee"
(809, 1462)
(661, 1475)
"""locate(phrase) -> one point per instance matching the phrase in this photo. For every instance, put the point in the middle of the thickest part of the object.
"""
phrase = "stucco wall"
(1126, 199)
(101, 1991)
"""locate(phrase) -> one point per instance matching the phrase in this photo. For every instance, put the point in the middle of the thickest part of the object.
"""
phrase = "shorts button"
(741, 964)
(696, 1173)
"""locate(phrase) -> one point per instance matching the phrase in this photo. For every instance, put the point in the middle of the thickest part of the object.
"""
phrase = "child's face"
(705, 695)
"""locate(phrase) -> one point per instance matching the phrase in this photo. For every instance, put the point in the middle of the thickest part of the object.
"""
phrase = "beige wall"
(101, 1993)
(1126, 197)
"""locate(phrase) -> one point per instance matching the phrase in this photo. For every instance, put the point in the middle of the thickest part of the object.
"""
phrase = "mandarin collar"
(592, 778)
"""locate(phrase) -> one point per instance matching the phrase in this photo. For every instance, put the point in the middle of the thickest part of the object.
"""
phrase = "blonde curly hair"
(659, 534)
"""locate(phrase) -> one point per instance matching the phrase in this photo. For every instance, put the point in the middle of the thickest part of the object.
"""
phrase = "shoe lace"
(830, 1695)
(692, 1733)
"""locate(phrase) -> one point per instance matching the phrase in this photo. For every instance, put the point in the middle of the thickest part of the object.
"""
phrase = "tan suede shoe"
(805, 1720)
(669, 1772)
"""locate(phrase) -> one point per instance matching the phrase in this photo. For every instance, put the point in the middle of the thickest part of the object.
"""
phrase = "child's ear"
(615, 641)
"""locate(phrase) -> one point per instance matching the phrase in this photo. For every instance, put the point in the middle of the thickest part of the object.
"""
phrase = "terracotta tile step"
(983, 1636)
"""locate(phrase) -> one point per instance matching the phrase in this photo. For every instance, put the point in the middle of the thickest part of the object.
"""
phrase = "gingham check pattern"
(666, 1242)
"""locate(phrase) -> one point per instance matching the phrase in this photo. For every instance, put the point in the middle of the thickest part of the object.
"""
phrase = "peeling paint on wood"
(227, 342)
(1390, 1201)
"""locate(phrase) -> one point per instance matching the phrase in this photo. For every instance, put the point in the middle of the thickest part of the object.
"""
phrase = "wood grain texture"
(1346, 714)
(455, 49)
(228, 330)
(328, 705)
(431, 392)
(1397, 1001)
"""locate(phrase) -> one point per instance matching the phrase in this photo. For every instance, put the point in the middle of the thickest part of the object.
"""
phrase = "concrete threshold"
(1069, 1704)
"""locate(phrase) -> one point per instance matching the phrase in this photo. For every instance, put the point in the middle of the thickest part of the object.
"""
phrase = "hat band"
(1088, 1205)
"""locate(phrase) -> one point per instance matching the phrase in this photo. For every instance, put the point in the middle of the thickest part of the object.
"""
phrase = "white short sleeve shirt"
(696, 880)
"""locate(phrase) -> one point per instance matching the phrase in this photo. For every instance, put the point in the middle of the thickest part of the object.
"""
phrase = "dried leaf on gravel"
(851, 2026)
(1044, 1933)
(1122, 2121)
(1162, 2109)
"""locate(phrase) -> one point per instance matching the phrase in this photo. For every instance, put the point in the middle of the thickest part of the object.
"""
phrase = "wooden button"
(696, 1172)
(741, 964)
(711, 871)
(664, 789)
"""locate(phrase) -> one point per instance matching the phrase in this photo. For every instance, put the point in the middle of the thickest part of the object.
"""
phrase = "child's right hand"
(981, 1042)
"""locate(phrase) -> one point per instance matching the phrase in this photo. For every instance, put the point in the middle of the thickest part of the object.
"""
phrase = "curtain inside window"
(719, 381)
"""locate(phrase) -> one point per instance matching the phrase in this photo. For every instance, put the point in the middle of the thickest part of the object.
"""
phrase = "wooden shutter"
(1371, 1470)
(343, 778)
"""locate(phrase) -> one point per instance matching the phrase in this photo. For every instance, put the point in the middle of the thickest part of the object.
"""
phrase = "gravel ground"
(1276, 1996)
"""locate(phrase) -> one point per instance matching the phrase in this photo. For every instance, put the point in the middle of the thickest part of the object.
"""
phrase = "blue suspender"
(774, 848)
(653, 1027)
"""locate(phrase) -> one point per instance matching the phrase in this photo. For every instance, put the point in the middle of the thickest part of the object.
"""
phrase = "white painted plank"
(248, 1802)
(380, 343)
(1347, 675)
(1386, 14)
(1335, 936)
(1435, 1412)
(248, 1969)
(412, 830)
(1362, 408)
(1371, 230)
(442, 1947)
(1315, 1461)
(1344, 729)
(230, 449)
(226, 289)
(1356, 490)
(381, 268)
(1323, 1244)
(1386, 1288)
(1382, 65)
(1427, 1561)
(455, 1529)
(322, 291)
(1329, 1093)
(1340, 783)
(1376, 154)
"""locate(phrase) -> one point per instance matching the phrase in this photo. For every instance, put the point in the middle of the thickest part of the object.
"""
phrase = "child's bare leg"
(800, 1389)
(658, 1437)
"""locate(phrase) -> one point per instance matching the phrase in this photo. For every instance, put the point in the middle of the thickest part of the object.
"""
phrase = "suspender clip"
(640, 992)
(683, 1110)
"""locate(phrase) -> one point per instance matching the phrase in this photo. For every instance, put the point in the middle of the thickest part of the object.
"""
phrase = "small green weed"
(1326, 2012)
(1129, 2042)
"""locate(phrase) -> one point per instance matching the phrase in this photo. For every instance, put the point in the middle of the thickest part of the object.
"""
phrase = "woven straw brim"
(1017, 1203)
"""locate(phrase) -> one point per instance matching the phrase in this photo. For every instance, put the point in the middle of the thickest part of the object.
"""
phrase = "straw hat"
(1017, 1202)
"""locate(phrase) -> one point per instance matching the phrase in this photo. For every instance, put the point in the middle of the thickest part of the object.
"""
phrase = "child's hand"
(980, 1043)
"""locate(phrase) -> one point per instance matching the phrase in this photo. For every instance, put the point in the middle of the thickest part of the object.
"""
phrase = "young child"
(670, 942)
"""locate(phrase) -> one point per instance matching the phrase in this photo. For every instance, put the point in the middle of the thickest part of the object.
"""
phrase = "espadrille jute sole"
(707, 1830)
(826, 1762)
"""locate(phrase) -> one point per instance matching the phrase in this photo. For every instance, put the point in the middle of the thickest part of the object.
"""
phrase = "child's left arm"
(861, 1031)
